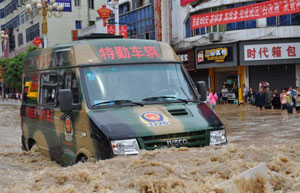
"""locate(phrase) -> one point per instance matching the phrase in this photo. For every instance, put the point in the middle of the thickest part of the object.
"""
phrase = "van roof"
(101, 51)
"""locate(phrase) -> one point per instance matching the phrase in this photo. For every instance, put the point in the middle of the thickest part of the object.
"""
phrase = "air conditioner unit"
(214, 37)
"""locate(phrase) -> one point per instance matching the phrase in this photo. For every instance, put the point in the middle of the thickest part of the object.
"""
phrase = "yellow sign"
(218, 54)
(31, 90)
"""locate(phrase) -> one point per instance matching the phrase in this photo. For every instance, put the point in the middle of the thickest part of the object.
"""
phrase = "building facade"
(234, 54)
(145, 19)
(22, 28)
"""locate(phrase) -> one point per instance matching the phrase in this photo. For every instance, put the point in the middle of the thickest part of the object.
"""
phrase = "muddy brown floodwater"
(270, 137)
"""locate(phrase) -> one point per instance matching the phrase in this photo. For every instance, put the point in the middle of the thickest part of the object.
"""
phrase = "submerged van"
(99, 98)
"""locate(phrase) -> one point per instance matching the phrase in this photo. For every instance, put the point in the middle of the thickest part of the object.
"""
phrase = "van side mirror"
(65, 100)
(201, 86)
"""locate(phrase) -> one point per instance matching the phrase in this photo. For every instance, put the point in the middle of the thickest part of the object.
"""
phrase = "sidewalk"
(10, 101)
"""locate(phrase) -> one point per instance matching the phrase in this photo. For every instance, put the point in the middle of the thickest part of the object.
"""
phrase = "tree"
(12, 69)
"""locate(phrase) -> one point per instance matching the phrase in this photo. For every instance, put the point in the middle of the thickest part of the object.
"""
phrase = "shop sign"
(214, 55)
(218, 54)
(278, 51)
(187, 58)
(255, 11)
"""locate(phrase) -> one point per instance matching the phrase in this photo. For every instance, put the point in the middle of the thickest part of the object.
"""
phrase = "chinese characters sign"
(271, 51)
(66, 3)
(127, 53)
(185, 2)
(250, 12)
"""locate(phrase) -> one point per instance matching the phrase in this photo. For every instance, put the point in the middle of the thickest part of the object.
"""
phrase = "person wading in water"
(260, 100)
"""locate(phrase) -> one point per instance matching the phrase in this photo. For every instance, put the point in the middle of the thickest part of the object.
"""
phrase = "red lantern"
(104, 13)
(37, 41)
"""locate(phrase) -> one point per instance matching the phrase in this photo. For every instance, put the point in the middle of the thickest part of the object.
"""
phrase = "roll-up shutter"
(278, 76)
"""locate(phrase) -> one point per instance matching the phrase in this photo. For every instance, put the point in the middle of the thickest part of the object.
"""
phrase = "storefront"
(273, 61)
(220, 62)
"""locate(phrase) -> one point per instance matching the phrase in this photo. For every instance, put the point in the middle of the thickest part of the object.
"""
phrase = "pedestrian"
(260, 99)
(251, 96)
(283, 99)
(245, 94)
(276, 99)
(290, 100)
(268, 98)
(224, 92)
(213, 97)
(297, 99)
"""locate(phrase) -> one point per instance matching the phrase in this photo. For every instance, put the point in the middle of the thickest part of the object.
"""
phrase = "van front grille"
(187, 139)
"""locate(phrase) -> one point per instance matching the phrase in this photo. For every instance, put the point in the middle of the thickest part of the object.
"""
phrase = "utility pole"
(117, 19)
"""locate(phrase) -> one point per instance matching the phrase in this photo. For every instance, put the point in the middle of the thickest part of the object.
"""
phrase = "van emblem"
(177, 142)
(153, 119)
(68, 129)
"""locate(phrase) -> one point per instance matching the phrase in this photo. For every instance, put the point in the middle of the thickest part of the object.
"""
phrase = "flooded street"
(270, 137)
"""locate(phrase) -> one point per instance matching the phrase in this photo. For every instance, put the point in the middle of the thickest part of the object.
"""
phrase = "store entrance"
(229, 77)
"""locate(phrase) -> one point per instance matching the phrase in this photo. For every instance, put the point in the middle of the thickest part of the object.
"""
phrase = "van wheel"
(82, 158)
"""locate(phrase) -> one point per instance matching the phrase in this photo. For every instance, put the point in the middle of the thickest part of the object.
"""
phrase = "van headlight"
(217, 137)
(125, 147)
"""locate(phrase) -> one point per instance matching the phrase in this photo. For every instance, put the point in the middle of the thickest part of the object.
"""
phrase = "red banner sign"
(123, 31)
(185, 2)
(250, 12)
(74, 35)
(111, 29)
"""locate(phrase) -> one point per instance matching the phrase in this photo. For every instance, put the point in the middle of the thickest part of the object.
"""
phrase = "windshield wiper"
(116, 102)
(164, 97)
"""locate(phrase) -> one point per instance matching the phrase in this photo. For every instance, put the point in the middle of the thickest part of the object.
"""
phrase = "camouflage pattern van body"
(86, 131)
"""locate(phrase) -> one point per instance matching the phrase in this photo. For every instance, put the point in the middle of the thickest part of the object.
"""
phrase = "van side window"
(48, 89)
(70, 82)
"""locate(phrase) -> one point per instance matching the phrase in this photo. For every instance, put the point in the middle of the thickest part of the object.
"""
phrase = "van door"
(70, 121)
(48, 138)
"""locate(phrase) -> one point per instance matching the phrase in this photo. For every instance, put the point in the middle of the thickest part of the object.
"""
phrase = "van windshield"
(136, 83)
